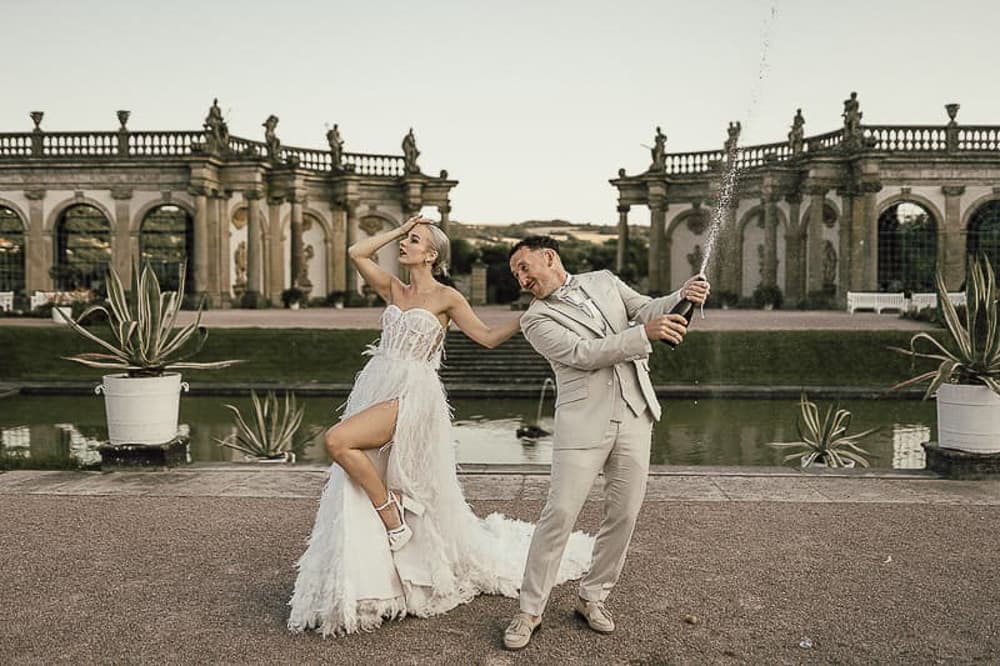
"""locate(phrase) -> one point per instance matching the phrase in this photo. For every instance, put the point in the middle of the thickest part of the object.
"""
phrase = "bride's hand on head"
(413, 221)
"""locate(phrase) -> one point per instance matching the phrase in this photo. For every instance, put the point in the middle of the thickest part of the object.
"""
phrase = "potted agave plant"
(967, 378)
(143, 399)
(825, 442)
(268, 435)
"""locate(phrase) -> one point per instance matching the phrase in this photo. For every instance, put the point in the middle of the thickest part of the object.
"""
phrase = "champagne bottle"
(684, 308)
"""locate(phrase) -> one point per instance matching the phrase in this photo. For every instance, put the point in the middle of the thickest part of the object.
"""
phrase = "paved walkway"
(195, 565)
(368, 318)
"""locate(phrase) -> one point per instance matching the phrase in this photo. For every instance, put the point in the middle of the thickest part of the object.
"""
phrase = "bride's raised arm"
(469, 322)
(362, 255)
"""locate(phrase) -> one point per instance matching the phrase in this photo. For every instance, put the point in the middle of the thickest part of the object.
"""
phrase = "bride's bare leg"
(368, 429)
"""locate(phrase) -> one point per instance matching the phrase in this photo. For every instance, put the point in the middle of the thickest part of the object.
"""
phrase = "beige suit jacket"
(583, 356)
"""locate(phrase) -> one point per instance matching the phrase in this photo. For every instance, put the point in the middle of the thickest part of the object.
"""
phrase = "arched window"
(984, 233)
(166, 241)
(83, 248)
(11, 251)
(907, 248)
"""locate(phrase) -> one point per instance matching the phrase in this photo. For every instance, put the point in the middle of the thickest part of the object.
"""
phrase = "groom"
(605, 408)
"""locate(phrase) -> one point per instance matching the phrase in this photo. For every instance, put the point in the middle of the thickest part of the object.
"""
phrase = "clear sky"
(531, 105)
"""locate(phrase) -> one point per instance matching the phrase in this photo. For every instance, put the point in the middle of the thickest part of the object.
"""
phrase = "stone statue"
(695, 258)
(336, 148)
(216, 130)
(797, 135)
(240, 262)
(852, 118)
(271, 139)
(734, 137)
(410, 153)
(829, 263)
(302, 280)
(659, 151)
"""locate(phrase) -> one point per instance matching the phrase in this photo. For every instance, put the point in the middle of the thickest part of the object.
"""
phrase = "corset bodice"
(411, 335)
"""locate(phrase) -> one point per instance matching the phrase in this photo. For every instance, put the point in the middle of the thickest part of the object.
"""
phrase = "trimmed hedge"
(831, 358)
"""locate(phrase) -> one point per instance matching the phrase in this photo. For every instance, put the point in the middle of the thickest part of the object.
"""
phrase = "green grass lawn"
(832, 358)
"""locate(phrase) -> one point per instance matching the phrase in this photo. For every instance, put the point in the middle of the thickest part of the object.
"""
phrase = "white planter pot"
(142, 410)
(968, 418)
(294, 305)
(65, 309)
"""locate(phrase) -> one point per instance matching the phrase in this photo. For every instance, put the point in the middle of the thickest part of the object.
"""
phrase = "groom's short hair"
(535, 243)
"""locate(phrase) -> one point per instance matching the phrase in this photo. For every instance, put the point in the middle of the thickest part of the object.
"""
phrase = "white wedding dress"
(348, 579)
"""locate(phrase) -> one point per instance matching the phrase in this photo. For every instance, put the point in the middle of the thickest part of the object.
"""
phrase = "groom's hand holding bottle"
(671, 327)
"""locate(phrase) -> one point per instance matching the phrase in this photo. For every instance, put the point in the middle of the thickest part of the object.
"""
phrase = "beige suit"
(605, 407)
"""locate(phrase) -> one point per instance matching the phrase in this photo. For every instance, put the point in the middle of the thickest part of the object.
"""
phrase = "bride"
(393, 534)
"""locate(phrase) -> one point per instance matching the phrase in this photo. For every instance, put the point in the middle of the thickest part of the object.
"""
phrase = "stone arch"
(157, 248)
(135, 225)
(909, 197)
(907, 262)
(974, 240)
(62, 206)
(78, 261)
(18, 211)
(320, 270)
(681, 241)
(827, 204)
(13, 248)
(969, 211)
(745, 282)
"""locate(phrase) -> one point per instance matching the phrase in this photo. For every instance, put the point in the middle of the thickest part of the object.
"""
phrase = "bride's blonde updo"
(441, 245)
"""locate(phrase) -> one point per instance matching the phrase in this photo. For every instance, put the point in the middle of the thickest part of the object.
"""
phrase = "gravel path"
(205, 580)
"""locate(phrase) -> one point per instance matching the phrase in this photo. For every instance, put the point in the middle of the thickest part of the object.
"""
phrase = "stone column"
(223, 224)
(200, 241)
(845, 253)
(295, 237)
(769, 271)
(814, 239)
(275, 252)
(657, 220)
(351, 275)
(254, 267)
(337, 257)
(478, 287)
(951, 240)
(867, 276)
(794, 256)
(444, 210)
(38, 248)
(121, 242)
(622, 248)
(726, 259)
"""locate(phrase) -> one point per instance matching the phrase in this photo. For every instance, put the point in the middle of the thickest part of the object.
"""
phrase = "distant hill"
(558, 229)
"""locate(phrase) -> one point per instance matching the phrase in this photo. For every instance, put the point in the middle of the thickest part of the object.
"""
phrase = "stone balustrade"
(157, 144)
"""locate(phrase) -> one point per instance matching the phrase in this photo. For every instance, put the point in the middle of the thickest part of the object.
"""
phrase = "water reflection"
(692, 432)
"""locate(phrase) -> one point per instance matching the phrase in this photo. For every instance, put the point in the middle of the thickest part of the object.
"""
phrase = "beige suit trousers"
(623, 456)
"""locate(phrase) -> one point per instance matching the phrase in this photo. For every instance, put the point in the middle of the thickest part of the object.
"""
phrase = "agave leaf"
(90, 363)
(958, 333)
(244, 429)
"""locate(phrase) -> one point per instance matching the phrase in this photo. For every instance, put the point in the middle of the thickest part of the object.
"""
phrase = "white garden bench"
(6, 301)
(40, 298)
(866, 300)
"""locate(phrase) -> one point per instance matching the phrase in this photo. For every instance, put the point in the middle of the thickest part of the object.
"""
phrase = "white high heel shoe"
(400, 536)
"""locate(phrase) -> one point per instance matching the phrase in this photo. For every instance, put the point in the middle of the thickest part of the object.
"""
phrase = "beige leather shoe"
(518, 634)
(596, 615)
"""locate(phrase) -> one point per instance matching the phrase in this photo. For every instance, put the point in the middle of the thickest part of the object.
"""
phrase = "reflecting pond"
(63, 431)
